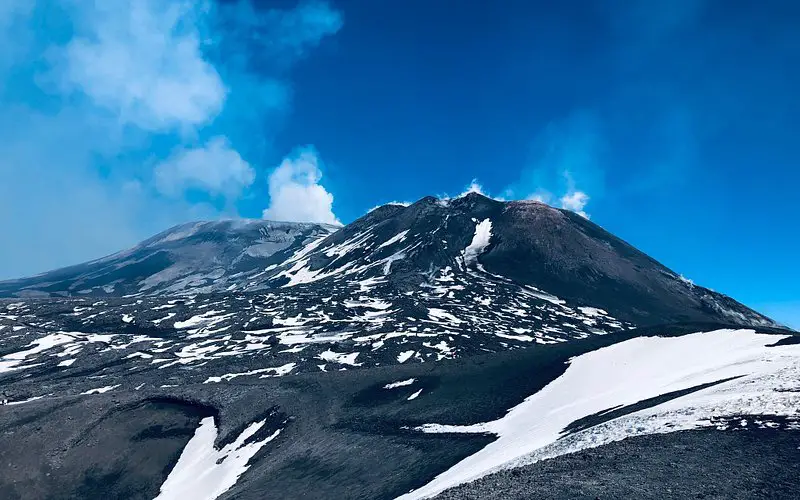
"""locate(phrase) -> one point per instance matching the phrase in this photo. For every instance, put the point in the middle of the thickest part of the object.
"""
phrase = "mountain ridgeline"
(526, 244)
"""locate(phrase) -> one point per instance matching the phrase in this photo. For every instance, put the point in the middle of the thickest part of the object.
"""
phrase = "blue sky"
(672, 123)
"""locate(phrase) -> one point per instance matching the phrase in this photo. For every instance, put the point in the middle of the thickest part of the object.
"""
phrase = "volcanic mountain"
(527, 244)
(414, 350)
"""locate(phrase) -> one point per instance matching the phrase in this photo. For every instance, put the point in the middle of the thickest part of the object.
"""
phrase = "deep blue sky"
(690, 112)
(678, 119)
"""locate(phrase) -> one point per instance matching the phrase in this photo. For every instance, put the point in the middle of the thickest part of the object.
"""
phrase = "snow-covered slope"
(722, 373)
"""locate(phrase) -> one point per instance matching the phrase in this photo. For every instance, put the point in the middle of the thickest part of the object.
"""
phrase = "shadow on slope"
(81, 448)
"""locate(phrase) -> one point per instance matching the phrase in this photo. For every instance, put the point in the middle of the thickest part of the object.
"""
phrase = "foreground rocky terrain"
(408, 354)
(687, 464)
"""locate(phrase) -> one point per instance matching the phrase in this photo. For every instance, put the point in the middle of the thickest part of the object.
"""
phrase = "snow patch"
(342, 359)
(401, 383)
(12, 361)
(404, 356)
(592, 311)
(204, 472)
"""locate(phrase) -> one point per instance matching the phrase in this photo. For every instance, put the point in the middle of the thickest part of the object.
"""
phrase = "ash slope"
(528, 244)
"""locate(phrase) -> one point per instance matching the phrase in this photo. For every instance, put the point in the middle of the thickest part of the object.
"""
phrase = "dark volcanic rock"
(123, 452)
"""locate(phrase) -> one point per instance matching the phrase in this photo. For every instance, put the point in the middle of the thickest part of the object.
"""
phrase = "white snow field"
(624, 374)
(204, 472)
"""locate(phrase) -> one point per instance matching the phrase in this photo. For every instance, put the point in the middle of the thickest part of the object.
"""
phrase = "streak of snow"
(368, 302)
(100, 390)
(394, 239)
(277, 371)
(520, 338)
(293, 339)
(164, 306)
(12, 403)
(207, 317)
(368, 284)
(440, 315)
(357, 241)
(401, 383)
(414, 396)
(159, 320)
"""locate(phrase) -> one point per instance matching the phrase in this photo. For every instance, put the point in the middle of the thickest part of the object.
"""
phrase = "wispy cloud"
(566, 163)
(143, 62)
(215, 168)
(295, 192)
(639, 135)
(474, 187)
(575, 201)
(119, 118)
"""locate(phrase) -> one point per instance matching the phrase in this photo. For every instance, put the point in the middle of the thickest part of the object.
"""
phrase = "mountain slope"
(470, 238)
(195, 257)
(528, 243)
